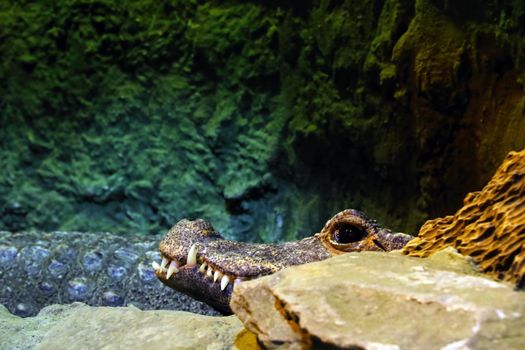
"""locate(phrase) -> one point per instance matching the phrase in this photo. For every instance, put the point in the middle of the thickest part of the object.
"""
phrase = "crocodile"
(102, 269)
(198, 261)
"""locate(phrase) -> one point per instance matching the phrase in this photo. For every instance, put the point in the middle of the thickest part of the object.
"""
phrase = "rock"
(490, 227)
(85, 327)
(373, 300)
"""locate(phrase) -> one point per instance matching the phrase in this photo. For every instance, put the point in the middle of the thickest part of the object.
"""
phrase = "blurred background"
(263, 117)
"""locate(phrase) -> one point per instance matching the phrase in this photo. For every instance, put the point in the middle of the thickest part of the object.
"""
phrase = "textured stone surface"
(78, 326)
(43, 268)
(383, 301)
(490, 227)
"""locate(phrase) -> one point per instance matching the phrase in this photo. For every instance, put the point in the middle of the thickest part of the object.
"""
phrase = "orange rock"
(490, 227)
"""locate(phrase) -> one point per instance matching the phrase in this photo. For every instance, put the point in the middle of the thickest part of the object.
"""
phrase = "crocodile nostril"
(381, 246)
(347, 233)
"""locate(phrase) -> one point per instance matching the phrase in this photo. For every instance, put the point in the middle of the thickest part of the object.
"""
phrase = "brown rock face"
(387, 301)
(490, 227)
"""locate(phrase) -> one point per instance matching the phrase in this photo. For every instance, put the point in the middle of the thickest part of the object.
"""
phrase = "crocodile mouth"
(199, 276)
(215, 276)
(207, 267)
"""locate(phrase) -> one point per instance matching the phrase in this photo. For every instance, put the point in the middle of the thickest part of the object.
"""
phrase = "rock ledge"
(375, 300)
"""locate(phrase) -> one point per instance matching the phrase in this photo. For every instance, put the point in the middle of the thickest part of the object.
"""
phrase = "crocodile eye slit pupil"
(347, 234)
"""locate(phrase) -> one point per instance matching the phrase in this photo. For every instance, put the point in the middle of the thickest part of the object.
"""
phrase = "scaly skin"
(38, 269)
(348, 231)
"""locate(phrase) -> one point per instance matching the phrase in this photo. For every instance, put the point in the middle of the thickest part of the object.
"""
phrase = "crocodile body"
(39, 269)
(198, 261)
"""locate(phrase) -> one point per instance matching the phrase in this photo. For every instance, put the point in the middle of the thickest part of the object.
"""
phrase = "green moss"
(117, 126)
(263, 118)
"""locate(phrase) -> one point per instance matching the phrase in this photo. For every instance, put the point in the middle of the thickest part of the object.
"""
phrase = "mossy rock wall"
(263, 118)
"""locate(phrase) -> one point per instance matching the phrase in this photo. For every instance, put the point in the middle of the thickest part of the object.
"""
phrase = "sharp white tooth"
(202, 269)
(209, 273)
(155, 265)
(217, 275)
(164, 263)
(224, 282)
(172, 269)
(191, 260)
(237, 281)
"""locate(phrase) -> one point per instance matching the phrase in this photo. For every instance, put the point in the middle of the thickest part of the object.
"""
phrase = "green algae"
(265, 119)
(110, 123)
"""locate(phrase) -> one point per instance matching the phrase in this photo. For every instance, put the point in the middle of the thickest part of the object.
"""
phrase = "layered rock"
(78, 326)
(382, 301)
(490, 228)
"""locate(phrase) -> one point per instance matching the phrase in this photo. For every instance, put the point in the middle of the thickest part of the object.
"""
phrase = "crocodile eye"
(347, 234)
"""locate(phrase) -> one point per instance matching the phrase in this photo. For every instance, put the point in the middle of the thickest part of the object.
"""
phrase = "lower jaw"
(190, 281)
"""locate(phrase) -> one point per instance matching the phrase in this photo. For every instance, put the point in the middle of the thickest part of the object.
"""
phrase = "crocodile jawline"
(198, 261)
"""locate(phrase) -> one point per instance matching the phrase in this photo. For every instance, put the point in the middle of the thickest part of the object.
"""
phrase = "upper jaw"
(219, 261)
(188, 269)
(212, 288)
(191, 261)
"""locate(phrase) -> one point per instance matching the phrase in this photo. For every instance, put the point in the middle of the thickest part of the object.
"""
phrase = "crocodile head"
(198, 261)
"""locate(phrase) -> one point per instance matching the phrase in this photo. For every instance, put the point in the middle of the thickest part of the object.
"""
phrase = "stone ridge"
(490, 228)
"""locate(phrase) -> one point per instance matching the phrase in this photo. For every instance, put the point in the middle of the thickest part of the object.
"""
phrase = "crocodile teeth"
(202, 269)
(155, 265)
(172, 269)
(237, 281)
(209, 273)
(164, 263)
(217, 275)
(191, 260)
(224, 282)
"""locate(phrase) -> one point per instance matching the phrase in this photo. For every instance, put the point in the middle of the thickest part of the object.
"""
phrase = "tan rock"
(78, 326)
(490, 227)
(373, 300)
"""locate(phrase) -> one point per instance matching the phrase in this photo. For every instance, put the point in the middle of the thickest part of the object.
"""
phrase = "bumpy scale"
(38, 269)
